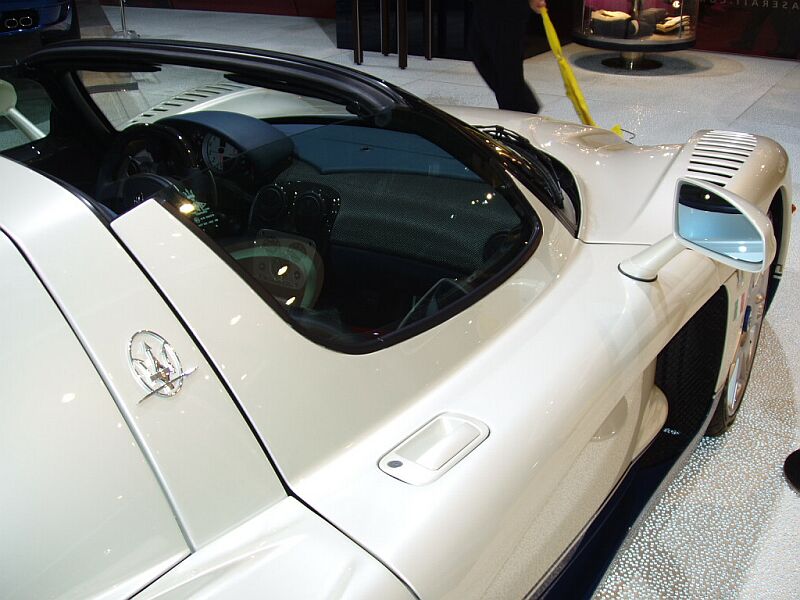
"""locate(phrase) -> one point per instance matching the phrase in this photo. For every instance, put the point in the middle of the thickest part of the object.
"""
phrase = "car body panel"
(479, 363)
(212, 469)
(558, 362)
(82, 514)
(628, 191)
(285, 552)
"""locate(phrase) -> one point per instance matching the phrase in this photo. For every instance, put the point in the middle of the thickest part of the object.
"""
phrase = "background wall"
(758, 27)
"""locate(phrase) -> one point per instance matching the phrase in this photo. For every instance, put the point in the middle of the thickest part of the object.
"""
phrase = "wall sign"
(757, 27)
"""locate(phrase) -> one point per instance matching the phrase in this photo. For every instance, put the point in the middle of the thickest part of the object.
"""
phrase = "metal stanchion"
(358, 49)
(385, 27)
(127, 34)
(427, 29)
(402, 33)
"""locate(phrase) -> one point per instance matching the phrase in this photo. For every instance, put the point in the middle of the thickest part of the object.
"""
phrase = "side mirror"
(723, 226)
(715, 222)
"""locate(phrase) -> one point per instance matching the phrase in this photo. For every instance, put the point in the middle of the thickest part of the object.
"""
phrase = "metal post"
(122, 16)
(385, 27)
(126, 33)
(358, 49)
(402, 33)
(427, 26)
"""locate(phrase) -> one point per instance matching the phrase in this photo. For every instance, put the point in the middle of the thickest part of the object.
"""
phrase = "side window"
(359, 230)
(131, 98)
(24, 112)
(124, 96)
(357, 234)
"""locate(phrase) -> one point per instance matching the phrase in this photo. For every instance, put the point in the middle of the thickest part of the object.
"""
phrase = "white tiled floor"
(728, 527)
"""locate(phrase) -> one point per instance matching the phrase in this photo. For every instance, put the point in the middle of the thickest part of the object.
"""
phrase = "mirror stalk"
(645, 265)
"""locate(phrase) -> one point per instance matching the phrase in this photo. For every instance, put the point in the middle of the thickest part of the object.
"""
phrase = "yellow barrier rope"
(570, 83)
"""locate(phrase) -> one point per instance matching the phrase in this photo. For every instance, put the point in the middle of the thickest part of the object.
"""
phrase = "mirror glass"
(712, 223)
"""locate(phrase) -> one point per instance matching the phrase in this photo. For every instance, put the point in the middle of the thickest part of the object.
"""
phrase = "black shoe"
(791, 469)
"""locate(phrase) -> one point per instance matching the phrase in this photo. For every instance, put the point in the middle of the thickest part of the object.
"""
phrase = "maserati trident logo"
(155, 365)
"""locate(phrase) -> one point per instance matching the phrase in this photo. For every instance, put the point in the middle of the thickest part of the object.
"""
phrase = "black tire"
(739, 371)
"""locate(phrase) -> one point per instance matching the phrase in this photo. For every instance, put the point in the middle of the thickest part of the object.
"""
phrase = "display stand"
(635, 27)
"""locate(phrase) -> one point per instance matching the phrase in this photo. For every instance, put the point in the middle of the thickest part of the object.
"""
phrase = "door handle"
(434, 449)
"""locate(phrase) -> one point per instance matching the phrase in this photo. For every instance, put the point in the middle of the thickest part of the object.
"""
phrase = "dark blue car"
(50, 18)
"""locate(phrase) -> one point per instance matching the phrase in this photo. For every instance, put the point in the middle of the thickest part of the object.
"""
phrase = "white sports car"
(276, 329)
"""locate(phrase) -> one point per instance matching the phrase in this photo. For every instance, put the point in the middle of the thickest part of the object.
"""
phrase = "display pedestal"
(632, 61)
(635, 27)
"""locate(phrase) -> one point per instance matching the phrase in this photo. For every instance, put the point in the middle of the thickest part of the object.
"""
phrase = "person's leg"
(478, 50)
(501, 35)
(497, 42)
(511, 89)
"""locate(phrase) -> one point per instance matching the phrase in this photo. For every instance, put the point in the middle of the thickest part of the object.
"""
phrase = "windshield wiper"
(538, 160)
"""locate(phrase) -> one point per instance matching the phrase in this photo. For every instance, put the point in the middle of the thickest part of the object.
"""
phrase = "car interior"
(352, 230)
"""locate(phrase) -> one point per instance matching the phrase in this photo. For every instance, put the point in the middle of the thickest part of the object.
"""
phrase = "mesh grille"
(686, 372)
(438, 220)
(718, 155)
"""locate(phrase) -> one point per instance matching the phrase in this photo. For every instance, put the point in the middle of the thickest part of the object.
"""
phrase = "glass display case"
(636, 26)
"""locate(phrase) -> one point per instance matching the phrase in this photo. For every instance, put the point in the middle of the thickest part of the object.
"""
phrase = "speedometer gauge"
(218, 153)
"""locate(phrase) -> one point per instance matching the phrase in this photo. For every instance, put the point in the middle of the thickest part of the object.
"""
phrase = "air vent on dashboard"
(717, 155)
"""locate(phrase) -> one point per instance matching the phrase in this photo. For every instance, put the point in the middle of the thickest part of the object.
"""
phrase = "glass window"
(128, 98)
(359, 230)
(24, 112)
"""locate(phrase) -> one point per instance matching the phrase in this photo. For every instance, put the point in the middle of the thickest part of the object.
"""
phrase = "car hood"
(628, 191)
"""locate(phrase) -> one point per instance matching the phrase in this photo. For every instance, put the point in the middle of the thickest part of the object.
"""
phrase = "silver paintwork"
(189, 468)
(81, 513)
(568, 401)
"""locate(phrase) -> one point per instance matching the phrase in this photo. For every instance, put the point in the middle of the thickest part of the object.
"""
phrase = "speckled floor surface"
(729, 526)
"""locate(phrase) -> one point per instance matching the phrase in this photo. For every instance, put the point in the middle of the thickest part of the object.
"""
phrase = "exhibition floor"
(728, 526)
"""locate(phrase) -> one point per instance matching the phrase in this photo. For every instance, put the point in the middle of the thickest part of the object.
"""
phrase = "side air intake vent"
(717, 155)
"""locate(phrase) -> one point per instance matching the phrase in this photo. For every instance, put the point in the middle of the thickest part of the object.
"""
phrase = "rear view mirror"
(723, 226)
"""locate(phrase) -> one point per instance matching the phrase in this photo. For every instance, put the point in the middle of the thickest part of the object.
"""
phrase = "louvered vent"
(717, 155)
(184, 99)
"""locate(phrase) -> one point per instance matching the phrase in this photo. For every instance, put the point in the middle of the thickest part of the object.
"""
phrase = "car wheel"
(739, 371)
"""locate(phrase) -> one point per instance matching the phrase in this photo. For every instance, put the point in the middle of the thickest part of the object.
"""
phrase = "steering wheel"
(143, 160)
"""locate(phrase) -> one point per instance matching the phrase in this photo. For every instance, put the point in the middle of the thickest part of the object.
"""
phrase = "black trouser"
(497, 44)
